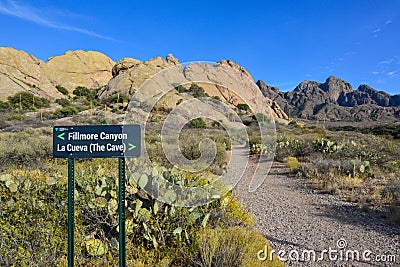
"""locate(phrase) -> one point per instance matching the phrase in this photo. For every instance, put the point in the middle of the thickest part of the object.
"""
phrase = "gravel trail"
(294, 219)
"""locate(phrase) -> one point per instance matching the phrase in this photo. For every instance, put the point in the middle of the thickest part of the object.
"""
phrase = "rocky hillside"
(335, 100)
(20, 72)
(129, 74)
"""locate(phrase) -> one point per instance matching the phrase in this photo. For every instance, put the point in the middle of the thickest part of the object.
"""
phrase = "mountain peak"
(335, 100)
(335, 87)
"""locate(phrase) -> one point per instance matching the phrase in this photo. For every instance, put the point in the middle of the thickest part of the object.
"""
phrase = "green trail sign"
(108, 141)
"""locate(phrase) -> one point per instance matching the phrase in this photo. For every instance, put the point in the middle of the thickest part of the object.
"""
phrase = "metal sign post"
(71, 212)
(121, 211)
(109, 141)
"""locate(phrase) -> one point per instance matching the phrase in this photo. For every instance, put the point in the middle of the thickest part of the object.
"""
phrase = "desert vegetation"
(360, 167)
(33, 212)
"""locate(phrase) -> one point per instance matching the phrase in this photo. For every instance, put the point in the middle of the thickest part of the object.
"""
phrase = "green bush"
(27, 101)
(4, 105)
(62, 90)
(234, 247)
(189, 145)
(292, 164)
(15, 116)
(243, 107)
(197, 123)
(181, 89)
(87, 94)
(63, 102)
(28, 147)
(65, 112)
(216, 98)
(197, 91)
(82, 91)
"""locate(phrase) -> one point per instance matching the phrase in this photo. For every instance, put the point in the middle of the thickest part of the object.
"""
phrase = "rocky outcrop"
(235, 66)
(334, 87)
(84, 68)
(129, 74)
(275, 95)
(334, 100)
(367, 95)
(20, 72)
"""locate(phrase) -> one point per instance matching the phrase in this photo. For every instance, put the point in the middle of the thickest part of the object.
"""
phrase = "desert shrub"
(197, 91)
(32, 219)
(116, 98)
(293, 147)
(326, 146)
(181, 89)
(189, 145)
(27, 101)
(4, 105)
(28, 148)
(243, 107)
(65, 112)
(103, 121)
(216, 98)
(233, 246)
(82, 91)
(62, 90)
(254, 139)
(292, 164)
(15, 116)
(63, 102)
(156, 119)
(197, 123)
(157, 234)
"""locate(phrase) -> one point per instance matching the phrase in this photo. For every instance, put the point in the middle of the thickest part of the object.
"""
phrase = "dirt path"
(294, 218)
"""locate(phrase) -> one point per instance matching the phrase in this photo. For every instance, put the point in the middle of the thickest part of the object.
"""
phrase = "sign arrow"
(131, 146)
(61, 136)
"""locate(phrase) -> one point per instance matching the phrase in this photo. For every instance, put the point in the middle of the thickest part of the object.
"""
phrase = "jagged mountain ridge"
(334, 100)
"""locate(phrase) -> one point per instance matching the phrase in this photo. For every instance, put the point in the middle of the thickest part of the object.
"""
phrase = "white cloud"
(376, 30)
(392, 73)
(388, 21)
(349, 53)
(388, 61)
(37, 16)
(375, 72)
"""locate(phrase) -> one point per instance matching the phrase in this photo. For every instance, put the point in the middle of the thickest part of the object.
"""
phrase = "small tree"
(27, 101)
(198, 123)
(62, 90)
(197, 91)
(82, 91)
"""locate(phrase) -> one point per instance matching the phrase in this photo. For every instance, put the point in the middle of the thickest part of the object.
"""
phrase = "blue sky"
(280, 42)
